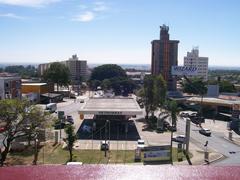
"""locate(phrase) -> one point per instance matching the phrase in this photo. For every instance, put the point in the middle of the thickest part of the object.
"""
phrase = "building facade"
(77, 68)
(164, 56)
(10, 86)
(193, 60)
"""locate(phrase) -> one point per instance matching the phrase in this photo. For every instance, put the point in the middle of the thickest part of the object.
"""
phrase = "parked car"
(205, 132)
(52, 107)
(74, 163)
(81, 100)
(140, 144)
(104, 145)
(165, 125)
(183, 114)
(172, 128)
(70, 119)
(180, 139)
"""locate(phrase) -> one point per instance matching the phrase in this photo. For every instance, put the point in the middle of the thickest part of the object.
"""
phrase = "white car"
(180, 139)
(74, 163)
(140, 144)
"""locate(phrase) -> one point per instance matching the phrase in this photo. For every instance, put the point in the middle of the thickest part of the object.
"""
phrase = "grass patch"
(56, 155)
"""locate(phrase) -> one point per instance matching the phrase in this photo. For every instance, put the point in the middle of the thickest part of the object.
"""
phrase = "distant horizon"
(126, 65)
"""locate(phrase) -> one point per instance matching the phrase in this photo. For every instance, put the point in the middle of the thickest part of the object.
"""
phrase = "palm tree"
(172, 113)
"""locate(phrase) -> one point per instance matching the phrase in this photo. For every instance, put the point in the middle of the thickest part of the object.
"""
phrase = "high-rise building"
(164, 56)
(77, 68)
(201, 63)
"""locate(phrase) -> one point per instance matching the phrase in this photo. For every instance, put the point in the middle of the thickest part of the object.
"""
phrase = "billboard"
(184, 70)
(157, 153)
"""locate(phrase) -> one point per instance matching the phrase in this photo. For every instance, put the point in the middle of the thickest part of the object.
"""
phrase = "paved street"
(216, 142)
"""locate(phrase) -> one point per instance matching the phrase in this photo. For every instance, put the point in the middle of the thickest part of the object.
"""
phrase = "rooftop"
(111, 106)
(214, 101)
(34, 84)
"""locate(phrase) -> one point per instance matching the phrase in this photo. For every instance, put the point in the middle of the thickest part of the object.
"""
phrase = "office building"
(10, 86)
(164, 56)
(77, 68)
(193, 60)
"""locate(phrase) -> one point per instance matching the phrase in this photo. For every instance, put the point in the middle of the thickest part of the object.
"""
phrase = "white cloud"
(85, 17)
(100, 6)
(11, 15)
(30, 3)
(91, 11)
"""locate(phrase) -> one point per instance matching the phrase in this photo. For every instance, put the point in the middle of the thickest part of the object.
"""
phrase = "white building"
(193, 60)
(77, 68)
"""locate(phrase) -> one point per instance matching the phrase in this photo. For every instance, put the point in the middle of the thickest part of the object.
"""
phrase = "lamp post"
(105, 149)
(36, 150)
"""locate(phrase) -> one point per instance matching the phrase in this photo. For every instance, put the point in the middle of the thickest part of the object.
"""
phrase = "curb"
(232, 141)
(216, 159)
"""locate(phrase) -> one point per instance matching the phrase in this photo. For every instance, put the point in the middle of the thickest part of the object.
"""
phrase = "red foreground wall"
(61, 172)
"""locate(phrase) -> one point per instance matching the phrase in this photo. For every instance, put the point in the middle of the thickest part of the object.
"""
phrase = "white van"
(52, 107)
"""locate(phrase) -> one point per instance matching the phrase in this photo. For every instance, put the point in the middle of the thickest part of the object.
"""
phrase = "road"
(216, 142)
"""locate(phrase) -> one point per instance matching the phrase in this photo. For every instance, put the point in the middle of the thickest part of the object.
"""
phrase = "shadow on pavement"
(116, 131)
(187, 157)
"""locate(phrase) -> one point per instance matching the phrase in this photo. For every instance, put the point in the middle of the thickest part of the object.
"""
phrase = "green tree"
(21, 120)
(114, 77)
(107, 71)
(160, 91)
(106, 84)
(196, 86)
(149, 94)
(57, 73)
(24, 72)
(172, 113)
(71, 137)
(226, 86)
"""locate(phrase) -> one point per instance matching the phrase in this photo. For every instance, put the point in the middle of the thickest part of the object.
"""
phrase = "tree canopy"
(24, 72)
(111, 76)
(107, 71)
(155, 89)
(57, 73)
(226, 86)
(196, 86)
(20, 119)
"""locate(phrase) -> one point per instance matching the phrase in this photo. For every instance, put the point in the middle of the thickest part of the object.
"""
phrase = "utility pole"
(187, 134)
(105, 149)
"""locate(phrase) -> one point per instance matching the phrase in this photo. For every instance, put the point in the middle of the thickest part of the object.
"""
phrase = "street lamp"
(105, 149)
(36, 150)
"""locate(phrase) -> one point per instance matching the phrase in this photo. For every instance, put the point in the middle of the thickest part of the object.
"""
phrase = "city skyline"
(39, 31)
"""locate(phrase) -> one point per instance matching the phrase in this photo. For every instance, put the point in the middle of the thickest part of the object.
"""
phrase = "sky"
(117, 31)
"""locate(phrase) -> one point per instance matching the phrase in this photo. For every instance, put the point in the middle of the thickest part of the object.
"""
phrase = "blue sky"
(117, 31)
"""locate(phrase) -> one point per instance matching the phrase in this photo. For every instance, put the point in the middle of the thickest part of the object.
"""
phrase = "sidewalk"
(198, 156)
(235, 137)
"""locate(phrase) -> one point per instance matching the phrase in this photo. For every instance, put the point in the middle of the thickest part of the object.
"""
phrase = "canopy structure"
(111, 106)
